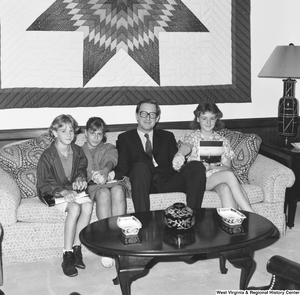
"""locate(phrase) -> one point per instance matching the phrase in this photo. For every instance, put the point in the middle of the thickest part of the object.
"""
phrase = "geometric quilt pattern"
(177, 52)
(108, 26)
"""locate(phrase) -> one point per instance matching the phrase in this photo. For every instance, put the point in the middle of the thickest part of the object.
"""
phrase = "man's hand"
(178, 161)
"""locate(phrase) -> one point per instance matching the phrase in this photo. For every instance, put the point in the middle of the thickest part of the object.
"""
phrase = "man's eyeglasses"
(145, 114)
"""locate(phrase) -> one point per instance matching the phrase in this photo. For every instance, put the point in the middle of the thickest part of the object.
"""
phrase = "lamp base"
(285, 141)
(288, 115)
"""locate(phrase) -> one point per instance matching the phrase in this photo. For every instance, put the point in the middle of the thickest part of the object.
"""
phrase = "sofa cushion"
(20, 161)
(33, 210)
(255, 193)
(245, 147)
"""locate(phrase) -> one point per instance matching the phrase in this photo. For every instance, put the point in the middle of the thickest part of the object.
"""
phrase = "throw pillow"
(246, 148)
(20, 161)
(25, 154)
(26, 181)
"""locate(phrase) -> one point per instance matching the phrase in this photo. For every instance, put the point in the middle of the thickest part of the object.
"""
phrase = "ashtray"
(130, 225)
(231, 216)
(296, 145)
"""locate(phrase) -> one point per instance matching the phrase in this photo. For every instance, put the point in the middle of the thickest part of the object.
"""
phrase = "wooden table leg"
(1, 267)
(240, 258)
(291, 213)
(128, 268)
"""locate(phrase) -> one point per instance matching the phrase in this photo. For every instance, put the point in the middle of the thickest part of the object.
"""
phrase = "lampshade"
(284, 62)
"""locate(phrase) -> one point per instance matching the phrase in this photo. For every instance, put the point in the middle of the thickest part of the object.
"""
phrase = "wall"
(273, 22)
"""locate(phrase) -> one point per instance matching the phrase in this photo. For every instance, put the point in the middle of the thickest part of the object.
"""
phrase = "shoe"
(77, 255)
(68, 265)
(107, 261)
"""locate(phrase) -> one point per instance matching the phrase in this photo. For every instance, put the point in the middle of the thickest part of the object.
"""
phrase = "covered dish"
(179, 216)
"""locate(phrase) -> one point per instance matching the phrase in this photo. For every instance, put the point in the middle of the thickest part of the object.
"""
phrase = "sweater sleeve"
(110, 154)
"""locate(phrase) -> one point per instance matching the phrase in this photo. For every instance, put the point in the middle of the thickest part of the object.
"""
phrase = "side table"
(289, 157)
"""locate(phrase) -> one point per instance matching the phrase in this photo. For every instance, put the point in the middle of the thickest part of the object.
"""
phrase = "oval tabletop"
(209, 235)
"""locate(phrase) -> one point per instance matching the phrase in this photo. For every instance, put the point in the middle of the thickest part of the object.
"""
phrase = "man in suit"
(149, 164)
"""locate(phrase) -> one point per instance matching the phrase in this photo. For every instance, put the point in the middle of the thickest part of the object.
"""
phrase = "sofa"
(33, 231)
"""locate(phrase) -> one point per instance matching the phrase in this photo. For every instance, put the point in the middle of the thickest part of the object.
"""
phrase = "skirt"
(124, 182)
(63, 206)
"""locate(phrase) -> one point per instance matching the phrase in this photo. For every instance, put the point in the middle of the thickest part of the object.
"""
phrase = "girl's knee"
(74, 209)
(102, 198)
(87, 207)
(224, 187)
(117, 191)
(226, 175)
(118, 198)
(231, 176)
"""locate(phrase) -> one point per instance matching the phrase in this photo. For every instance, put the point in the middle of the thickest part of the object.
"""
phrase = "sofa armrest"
(272, 176)
(10, 198)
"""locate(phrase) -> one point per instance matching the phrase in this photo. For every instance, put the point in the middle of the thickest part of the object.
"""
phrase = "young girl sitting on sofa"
(61, 172)
(102, 158)
(219, 176)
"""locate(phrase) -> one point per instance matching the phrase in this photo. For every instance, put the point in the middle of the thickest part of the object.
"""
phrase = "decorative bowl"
(179, 216)
(231, 216)
(296, 145)
(129, 225)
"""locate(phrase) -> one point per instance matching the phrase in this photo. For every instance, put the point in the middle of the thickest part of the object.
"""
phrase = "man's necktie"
(148, 145)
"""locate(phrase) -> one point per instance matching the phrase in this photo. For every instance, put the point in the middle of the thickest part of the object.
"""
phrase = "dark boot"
(78, 257)
(68, 264)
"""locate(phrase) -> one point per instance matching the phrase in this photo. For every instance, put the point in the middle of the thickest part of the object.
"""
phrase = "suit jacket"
(131, 151)
(51, 177)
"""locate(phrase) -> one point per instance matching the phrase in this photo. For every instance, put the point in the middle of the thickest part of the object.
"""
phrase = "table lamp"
(284, 63)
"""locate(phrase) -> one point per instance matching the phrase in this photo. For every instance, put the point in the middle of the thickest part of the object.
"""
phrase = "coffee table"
(209, 235)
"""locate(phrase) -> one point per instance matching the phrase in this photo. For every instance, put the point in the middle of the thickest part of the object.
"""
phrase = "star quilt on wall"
(58, 53)
(111, 25)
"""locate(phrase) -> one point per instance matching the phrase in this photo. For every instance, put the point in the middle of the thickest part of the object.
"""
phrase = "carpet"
(166, 277)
